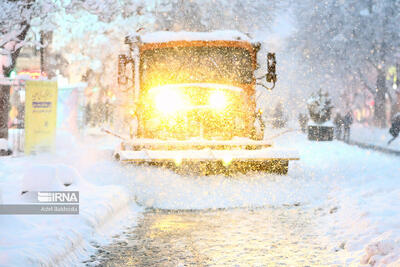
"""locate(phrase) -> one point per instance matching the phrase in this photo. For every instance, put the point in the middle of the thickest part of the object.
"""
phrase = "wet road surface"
(280, 236)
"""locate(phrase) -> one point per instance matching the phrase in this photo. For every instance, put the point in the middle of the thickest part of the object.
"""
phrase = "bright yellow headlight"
(217, 100)
(169, 101)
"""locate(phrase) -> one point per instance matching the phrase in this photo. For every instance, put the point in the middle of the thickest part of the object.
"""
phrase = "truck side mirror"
(122, 62)
(271, 74)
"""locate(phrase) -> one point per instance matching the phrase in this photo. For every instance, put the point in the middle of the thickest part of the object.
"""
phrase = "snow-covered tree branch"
(342, 38)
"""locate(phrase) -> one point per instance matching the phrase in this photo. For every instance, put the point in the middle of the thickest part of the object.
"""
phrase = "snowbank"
(359, 203)
(47, 240)
(382, 251)
(373, 136)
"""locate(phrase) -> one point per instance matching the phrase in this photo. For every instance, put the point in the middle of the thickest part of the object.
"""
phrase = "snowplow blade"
(209, 161)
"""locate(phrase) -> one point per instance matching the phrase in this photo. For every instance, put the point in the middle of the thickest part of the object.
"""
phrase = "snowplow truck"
(192, 103)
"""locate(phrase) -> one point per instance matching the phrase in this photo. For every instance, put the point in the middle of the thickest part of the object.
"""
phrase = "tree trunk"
(45, 40)
(5, 89)
(4, 110)
(379, 106)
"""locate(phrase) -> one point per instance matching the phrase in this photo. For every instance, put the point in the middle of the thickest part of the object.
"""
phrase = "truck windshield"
(171, 65)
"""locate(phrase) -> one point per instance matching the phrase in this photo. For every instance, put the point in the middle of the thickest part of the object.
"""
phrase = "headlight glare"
(218, 100)
(169, 101)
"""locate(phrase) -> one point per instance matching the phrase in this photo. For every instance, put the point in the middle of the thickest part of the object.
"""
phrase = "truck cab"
(194, 105)
(194, 85)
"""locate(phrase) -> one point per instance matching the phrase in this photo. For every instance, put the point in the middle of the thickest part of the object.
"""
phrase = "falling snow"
(179, 150)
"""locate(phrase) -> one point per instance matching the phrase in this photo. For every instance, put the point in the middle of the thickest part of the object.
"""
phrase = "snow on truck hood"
(166, 36)
(216, 86)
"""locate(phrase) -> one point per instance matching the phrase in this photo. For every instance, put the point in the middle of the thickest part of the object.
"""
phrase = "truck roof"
(166, 36)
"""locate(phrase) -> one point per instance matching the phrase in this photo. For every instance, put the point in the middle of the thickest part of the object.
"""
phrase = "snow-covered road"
(277, 236)
(349, 195)
(338, 203)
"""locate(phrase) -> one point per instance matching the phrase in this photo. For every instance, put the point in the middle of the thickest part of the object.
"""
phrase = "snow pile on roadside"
(362, 199)
(381, 252)
(374, 136)
(47, 240)
(367, 219)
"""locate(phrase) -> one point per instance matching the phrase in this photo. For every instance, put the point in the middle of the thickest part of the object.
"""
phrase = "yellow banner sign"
(40, 116)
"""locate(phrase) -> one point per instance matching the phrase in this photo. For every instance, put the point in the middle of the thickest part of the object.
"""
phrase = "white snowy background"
(355, 191)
